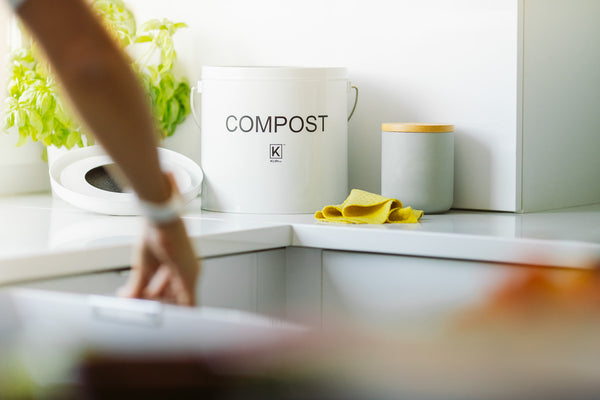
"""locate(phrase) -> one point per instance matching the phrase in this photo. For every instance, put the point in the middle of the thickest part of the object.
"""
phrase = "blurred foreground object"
(536, 338)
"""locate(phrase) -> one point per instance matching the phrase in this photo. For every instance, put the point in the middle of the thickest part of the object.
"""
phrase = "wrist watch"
(165, 212)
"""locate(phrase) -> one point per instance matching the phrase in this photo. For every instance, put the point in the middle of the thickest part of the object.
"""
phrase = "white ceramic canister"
(417, 165)
(273, 139)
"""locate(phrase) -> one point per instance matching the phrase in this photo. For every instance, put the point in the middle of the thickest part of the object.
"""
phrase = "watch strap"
(165, 212)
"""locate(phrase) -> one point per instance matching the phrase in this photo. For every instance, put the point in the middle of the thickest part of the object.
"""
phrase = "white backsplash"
(427, 61)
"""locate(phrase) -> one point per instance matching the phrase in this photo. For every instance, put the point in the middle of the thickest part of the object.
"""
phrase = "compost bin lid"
(79, 177)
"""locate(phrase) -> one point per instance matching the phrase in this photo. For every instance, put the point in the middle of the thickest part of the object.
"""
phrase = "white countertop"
(41, 236)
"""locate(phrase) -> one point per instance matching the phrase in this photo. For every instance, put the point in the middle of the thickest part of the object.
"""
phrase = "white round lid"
(78, 177)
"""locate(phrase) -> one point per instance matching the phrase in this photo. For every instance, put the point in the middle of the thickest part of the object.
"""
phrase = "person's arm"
(108, 98)
(102, 87)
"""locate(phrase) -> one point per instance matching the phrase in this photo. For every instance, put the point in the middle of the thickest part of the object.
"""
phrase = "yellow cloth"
(368, 208)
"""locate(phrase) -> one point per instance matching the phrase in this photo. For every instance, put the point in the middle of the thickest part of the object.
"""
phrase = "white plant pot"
(22, 169)
(55, 152)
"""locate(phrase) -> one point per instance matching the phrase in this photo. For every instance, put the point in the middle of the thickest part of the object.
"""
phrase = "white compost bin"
(274, 139)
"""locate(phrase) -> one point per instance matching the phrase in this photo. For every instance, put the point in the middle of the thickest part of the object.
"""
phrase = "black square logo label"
(276, 151)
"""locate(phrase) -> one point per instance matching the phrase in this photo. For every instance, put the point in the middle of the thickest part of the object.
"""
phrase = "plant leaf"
(72, 139)
(143, 39)
(34, 106)
(35, 121)
(23, 136)
(119, 20)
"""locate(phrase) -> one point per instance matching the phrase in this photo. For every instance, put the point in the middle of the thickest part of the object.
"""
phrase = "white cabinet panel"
(250, 282)
(381, 289)
(561, 72)
(229, 282)
(271, 283)
(106, 283)
(303, 274)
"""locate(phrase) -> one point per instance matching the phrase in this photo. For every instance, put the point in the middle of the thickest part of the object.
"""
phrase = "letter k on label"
(276, 151)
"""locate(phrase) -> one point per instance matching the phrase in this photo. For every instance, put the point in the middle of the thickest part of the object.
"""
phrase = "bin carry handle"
(195, 89)
(198, 89)
(355, 101)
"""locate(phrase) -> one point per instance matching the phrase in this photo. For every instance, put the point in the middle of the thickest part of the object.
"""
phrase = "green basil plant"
(35, 108)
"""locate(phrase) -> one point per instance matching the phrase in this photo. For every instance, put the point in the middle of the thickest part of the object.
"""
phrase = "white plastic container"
(417, 165)
(273, 139)
(71, 180)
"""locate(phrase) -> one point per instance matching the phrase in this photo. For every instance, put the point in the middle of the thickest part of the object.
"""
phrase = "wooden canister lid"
(416, 127)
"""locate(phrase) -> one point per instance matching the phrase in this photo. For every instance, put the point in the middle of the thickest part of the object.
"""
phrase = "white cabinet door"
(250, 282)
(382, 289)
(271, 283)
(229, 282)
(104, 283)
(303, 281)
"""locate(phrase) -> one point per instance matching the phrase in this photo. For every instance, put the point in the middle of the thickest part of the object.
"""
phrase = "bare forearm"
(102, 87)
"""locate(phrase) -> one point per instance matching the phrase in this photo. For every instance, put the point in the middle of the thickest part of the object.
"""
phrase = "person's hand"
(165, 266)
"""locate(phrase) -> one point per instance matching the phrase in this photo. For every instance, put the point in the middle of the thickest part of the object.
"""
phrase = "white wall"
(427, 60)
(3, 46)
